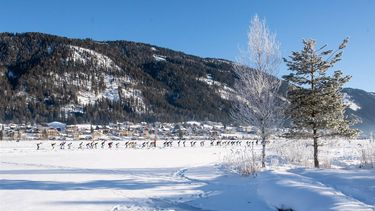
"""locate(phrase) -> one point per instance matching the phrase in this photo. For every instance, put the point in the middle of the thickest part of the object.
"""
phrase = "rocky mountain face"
(46, 78)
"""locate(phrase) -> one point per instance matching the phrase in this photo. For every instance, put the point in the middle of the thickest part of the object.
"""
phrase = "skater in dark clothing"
(38, 145)
(62, 145)
(80, 145)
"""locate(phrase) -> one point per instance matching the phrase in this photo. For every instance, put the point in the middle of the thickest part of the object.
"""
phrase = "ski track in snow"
(340, 181)
(287, 190)
(169, 179)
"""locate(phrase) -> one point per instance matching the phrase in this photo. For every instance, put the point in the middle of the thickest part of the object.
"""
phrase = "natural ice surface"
(167, 179)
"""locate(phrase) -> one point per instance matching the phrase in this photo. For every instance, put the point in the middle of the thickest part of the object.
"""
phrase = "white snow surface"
(84, 55)
(160, 58)
(350, 103)
(176, 178)
(115, 87)
(223, 90)
(299, 190)
(110, 92)
(57, 125)
(71, 108)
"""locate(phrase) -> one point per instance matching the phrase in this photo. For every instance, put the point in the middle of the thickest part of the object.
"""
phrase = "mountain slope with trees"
(46, 78)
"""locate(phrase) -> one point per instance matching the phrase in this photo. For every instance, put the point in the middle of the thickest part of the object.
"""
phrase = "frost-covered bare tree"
(258, 102)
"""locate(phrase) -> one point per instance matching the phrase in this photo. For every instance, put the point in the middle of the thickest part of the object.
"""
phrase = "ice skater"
(38, 145)
(62, 145)
(80, 145)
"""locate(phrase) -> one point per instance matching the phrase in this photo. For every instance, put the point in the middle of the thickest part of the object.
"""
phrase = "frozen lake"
(177, 178)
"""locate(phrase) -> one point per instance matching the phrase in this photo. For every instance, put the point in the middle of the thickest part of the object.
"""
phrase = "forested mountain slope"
(46, 78)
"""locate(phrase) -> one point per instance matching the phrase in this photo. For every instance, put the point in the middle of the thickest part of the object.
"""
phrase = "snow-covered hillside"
(115, 88)
(348, 101)
(159, 58)
(84, 55)
(222, 89)
(175, 178)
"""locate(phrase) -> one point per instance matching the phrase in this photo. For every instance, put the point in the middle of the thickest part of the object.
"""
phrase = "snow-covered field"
(181, 178)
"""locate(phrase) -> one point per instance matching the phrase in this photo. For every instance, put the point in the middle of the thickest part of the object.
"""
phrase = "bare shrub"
(367, 155)
(326, 162)
(293, 152)
(333, 153)
(243, 161)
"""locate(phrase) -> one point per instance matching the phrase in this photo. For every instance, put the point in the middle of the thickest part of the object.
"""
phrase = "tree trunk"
(316, 161)
(315, 138)
(263, 150)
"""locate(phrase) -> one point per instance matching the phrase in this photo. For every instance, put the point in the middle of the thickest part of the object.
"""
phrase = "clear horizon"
(210, 28)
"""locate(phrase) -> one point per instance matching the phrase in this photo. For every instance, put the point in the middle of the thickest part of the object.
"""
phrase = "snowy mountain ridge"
(48, 78)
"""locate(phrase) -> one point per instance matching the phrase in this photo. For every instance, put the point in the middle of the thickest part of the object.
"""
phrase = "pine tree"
(316, 102)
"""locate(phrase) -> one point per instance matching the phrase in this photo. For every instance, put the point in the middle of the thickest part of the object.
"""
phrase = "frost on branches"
(258, 102)
(317, 106)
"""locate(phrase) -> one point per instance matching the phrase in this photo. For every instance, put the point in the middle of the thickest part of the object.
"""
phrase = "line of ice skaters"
(90, 145)
(145, 144)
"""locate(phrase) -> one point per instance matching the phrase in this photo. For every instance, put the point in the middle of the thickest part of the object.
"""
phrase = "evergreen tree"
(316, 102)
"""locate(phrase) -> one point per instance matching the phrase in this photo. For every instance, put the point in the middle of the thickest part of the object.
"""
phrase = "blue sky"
(208, 28)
